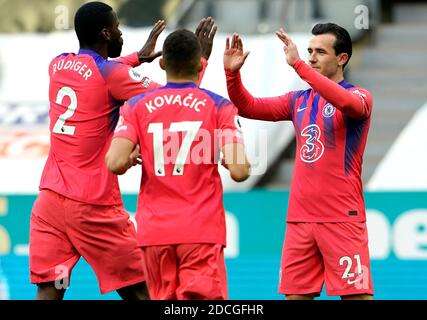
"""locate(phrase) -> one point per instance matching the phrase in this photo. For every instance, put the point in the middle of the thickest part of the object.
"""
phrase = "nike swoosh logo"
(353, 281)
(301, 109)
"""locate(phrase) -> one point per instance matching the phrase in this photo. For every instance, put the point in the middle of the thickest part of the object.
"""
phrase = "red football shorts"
(62, 230)
(333, 253)
(186, 272)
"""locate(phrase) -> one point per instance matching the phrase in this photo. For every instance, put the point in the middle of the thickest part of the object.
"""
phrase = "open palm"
(290, 48)
(234, 57)
(147, 53)
(205, 33)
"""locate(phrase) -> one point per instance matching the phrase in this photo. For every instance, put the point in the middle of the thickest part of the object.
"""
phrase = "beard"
(115, 48)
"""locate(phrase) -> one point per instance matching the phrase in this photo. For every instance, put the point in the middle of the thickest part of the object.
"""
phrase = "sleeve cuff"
(135, 59)
(124, 135)
(232, 74)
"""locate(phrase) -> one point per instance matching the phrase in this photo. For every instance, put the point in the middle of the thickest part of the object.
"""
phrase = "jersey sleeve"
(125, 82)
(125, 127)
(271, 109)
(355, 103)
(230, 130)
(131, 60)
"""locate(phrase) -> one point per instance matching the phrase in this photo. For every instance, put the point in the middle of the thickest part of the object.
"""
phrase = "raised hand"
(290, 48)
(234, 57)
(147, 54)
(205, 32)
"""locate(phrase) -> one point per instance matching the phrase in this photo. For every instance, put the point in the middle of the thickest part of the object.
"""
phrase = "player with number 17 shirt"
(79, 210)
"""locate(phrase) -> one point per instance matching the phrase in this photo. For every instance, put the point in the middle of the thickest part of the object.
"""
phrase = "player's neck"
(194, 79)
(101, 50)
(337, 77)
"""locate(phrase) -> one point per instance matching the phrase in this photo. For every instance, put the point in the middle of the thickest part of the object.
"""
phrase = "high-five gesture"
(234, 57)
(147, 54)
(290, 48)
(205, 32)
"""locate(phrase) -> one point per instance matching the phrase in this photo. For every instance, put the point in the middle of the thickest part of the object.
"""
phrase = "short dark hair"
(181, 53)
(90, 19)
(343, 43)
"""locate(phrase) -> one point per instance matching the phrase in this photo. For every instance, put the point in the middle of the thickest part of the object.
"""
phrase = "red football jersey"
(331, 122)
(180, 129)
(85, 93)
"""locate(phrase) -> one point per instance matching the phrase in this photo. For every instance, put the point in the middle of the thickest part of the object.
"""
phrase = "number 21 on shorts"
(361, 278)
(346, 260)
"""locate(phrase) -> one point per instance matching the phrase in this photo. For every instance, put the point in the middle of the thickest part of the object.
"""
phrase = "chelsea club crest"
(328, 110)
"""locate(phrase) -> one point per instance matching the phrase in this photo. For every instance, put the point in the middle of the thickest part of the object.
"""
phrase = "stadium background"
(389, 53)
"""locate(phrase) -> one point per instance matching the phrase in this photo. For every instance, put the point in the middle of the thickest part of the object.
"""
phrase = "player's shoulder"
(219, 100)
(362, 92)
(356, 89)
(134, 101)
(302, 93)
(109, 68)
(57, 59)
(62, 56)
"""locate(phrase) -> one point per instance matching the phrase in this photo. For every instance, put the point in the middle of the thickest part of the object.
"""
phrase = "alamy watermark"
(62, 280)
(62, 17)
(361, 22)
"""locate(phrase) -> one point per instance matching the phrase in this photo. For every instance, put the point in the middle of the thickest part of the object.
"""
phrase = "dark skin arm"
(147, 53)
(205, 32)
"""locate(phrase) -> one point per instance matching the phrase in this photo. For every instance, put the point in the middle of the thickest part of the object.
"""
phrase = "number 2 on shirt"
(60, 126)
(190, 127)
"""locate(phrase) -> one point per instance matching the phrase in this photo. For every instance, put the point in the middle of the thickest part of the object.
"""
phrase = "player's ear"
(342, 58)
(162, 64)
(200, 66)
(105, 34)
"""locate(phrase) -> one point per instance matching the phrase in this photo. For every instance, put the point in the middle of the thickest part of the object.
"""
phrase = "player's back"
(82, 116)
(180, 128)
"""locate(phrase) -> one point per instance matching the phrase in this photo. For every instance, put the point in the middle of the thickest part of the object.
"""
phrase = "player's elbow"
(236, 162)
(239, 172)
(118, 170)
(117, 165)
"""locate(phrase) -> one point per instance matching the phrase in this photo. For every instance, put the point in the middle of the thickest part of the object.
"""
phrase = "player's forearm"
(270, 109)
(342, 99)
(117, 165)
(236, 162)
(118, 158)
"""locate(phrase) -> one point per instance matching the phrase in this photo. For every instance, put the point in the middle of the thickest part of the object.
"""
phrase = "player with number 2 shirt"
(79, 210)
